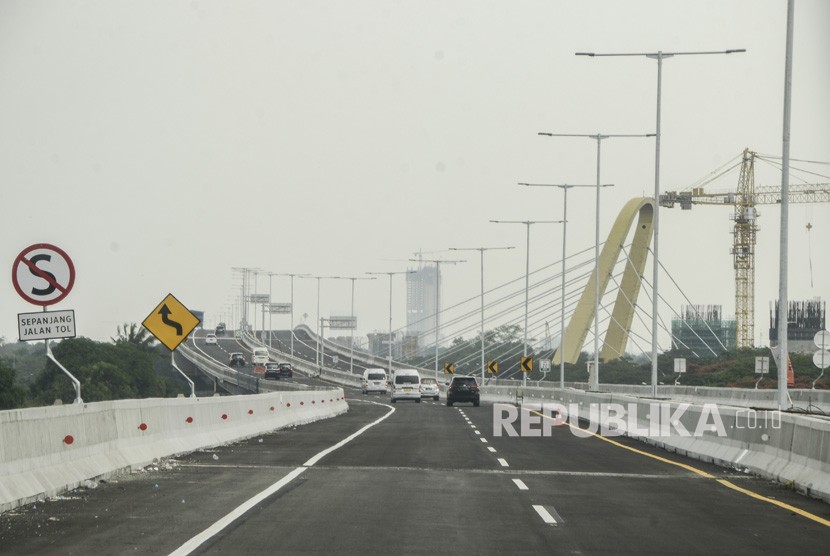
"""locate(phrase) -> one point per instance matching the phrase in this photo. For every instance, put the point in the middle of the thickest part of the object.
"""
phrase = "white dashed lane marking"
(544, 514)
(520, 483)
(503, 462)
(491, 449)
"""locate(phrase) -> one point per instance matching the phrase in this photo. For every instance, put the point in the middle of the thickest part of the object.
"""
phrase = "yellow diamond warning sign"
(171, 322)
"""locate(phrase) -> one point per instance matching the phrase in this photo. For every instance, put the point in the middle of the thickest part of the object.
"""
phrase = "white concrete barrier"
(47, 450)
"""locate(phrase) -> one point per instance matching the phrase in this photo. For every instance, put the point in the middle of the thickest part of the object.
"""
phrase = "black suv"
(237, 359)
(463, 389)
(286, 370)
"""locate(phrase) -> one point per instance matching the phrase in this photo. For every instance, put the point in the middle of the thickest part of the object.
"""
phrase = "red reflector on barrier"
(250, 412)
(288, 404)
(68, 439)
(142, 426)
(272, 408)
(224, 416)
(189, 419)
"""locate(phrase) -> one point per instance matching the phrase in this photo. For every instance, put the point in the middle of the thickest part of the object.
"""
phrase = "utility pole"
(481, 251)
(438, 263)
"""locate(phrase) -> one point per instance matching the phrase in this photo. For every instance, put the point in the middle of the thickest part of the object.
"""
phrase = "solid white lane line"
(205, 535)
(491, 449)
(240, 510)
(503, 462)
(545, 515)
(520, 483)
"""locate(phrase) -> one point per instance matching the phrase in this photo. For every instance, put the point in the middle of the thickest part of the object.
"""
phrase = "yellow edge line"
(799, 511)
(702, 473)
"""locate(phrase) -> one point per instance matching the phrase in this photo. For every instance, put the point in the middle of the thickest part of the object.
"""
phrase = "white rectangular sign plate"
(50, 325)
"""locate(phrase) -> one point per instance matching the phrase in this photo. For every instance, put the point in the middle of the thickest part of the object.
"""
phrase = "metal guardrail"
(223, 373)
(364, 356)
(303, 366)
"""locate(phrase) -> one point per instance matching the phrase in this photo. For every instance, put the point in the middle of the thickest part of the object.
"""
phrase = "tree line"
(129, 366)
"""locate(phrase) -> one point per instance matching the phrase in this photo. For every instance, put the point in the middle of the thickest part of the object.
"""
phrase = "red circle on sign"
(53, 282)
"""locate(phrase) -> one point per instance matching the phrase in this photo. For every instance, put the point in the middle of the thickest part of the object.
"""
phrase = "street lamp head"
(562, 185)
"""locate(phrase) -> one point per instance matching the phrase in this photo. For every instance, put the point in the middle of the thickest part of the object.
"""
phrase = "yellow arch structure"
(616, 336)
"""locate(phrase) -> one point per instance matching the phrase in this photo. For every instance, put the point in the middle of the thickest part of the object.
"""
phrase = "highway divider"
(48, 450)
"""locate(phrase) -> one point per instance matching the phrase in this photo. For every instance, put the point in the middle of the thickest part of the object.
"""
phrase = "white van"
(259, 356)
(406, 385)
(374, 380)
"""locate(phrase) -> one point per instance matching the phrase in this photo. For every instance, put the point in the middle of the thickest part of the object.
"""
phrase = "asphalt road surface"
(423, 479)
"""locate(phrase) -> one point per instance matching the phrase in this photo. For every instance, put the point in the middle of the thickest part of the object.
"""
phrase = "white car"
(406, 385)
(374, 380)
(211, 339)
(429, 388)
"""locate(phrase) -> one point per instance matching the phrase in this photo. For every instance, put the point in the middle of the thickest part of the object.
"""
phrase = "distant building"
(409, 347)
(379, 344)
(700, 326)
(420, 304)
(804, 319)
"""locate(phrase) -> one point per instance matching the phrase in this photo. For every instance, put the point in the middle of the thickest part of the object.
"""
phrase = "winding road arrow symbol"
(165, 318)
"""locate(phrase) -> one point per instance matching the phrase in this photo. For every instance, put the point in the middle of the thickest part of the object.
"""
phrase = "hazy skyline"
(162, 143)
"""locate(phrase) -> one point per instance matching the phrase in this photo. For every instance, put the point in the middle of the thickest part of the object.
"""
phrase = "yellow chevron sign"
(493, 367)
(527, 364)
(449, 368)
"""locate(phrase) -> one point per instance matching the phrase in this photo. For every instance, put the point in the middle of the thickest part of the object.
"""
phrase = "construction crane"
(744, 201)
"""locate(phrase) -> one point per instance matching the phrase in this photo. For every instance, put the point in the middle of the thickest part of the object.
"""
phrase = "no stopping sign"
(43, 274)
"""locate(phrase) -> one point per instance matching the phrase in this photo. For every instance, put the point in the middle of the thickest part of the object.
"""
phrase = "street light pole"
(351, 344)
(270, 314)
(527, 223)
(389, 338)
(593, 380)
(659, 56)
(438, 263)
(291, 275)
(481, 251)
(564, 188)
(318, 319)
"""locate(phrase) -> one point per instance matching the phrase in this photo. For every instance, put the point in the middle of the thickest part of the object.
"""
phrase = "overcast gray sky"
(161, 143)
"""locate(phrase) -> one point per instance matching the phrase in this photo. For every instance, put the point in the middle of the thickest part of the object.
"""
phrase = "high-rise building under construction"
(420, 304)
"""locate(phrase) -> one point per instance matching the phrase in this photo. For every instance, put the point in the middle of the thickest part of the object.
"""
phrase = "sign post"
(171, 322)
(43, 274)
(679, 368)
(761, 368)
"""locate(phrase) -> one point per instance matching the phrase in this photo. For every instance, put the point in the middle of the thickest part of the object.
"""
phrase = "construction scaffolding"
(702, 329)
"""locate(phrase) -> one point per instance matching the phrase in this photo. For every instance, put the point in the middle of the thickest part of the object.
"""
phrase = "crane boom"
(765, 195)
(745, 215)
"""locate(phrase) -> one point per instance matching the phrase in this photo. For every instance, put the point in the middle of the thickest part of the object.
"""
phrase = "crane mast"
(743, 253)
